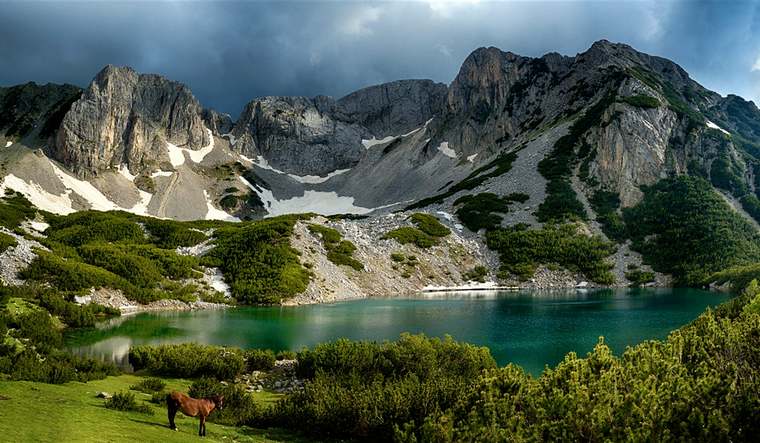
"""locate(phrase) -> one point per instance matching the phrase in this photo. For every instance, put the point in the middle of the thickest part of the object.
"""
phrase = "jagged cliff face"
(316, 136)
(389, 145)
(124, 117)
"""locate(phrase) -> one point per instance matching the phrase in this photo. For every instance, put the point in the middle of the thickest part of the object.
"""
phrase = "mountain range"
(554, 138)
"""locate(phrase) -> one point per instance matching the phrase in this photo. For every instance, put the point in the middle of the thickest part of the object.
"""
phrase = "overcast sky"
(229, 53)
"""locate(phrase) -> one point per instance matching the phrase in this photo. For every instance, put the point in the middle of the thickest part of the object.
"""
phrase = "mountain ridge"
(431, 135)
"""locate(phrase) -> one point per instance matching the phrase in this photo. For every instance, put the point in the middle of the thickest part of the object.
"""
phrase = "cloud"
(756, 66)
(360, 22)
(446, 8)
(229, 53)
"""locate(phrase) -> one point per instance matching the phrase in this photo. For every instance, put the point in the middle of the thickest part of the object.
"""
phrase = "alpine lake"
(529, 328)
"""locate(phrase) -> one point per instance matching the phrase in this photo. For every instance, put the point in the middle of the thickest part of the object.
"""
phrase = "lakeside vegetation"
(699, 383)
(339, 251)
(684, 228)
(425, 234)
(521, 250)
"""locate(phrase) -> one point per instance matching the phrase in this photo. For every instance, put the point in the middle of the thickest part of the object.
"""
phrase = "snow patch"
(82, 299)
(448, 152)
(231, 138)
(39, 197)
(373, 141)
(262, 163)
(487, 286)
(39, 226)
(176, 157)
(141, 207)
(62, 204)
(124, 170)
(86, 190)
(8, 143)
(177, 154)
(161, 174)
(320, 202)
(215, 279)
(712, 125)
(314, 179)
(216, 214)
(198, 155)
(471, 158)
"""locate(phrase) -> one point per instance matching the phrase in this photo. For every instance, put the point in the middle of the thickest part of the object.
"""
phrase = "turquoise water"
(529, 328)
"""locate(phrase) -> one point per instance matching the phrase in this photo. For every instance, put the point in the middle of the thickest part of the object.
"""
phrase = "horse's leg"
(202, 426)
(171, 407)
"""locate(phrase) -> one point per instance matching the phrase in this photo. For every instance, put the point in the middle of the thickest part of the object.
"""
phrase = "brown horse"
(192, 407)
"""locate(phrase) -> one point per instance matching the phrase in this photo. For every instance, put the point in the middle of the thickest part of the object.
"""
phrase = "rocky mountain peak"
(126, 117)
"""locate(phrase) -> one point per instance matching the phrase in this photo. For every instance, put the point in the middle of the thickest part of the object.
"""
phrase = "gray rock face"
(393, 108)
(298, 135)
(127, 118)
(316, 136)
(30, 109)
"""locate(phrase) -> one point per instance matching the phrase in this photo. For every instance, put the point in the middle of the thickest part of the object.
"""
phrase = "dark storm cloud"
(229, 53)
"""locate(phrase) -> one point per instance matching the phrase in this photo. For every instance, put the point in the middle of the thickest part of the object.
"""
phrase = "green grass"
(15, 208)
(408, 234)
(339, 251)
(561, 202)
(6, 241)
(429, 224)
(521, 250)
(71, 412)
(479, 211)
(684, 227)
(641, 101)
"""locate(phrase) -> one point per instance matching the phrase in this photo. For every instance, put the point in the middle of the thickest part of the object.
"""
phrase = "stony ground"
(440, 265)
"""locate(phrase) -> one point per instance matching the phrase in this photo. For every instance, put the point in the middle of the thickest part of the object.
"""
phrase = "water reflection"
(531, 328)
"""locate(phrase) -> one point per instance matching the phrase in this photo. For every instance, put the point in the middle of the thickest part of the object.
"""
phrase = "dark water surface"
(530, 328)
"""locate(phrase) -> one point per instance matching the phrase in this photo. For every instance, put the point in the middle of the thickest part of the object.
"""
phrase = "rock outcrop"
(126, 117)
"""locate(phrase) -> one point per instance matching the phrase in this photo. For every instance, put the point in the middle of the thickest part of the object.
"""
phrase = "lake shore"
(114, 298)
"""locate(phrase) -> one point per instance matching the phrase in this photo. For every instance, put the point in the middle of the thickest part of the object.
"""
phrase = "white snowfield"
(714, 126)
(215, 279)
(62, 204)
(471, 158)
(373, 141)
(325, 203)
(213, 213)
(230, 137)
(487, 286)
(177, 154)
(86, 190)
(8, 143)
(368, 143)
(57, 204)
(262, 163)
(124, 170)
(320, 202)
(39, 226)
(448, 152)
(161, 174)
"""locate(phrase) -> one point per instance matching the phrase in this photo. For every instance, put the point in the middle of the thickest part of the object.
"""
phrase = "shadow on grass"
(275, 434)
(152, 423)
